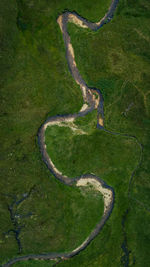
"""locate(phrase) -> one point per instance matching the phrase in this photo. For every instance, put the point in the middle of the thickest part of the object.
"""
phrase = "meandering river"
(93, 99)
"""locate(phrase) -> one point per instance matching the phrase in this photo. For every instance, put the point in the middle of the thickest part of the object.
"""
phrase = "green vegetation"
(36, 83)
(106, 154)
(34, 263)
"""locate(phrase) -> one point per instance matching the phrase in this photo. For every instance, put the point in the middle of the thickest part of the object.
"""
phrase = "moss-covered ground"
(35, 84)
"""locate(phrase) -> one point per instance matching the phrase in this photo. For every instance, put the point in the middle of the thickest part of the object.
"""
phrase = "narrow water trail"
(93, 99)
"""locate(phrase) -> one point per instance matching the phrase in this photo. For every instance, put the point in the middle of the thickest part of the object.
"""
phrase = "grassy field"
(36, 84)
